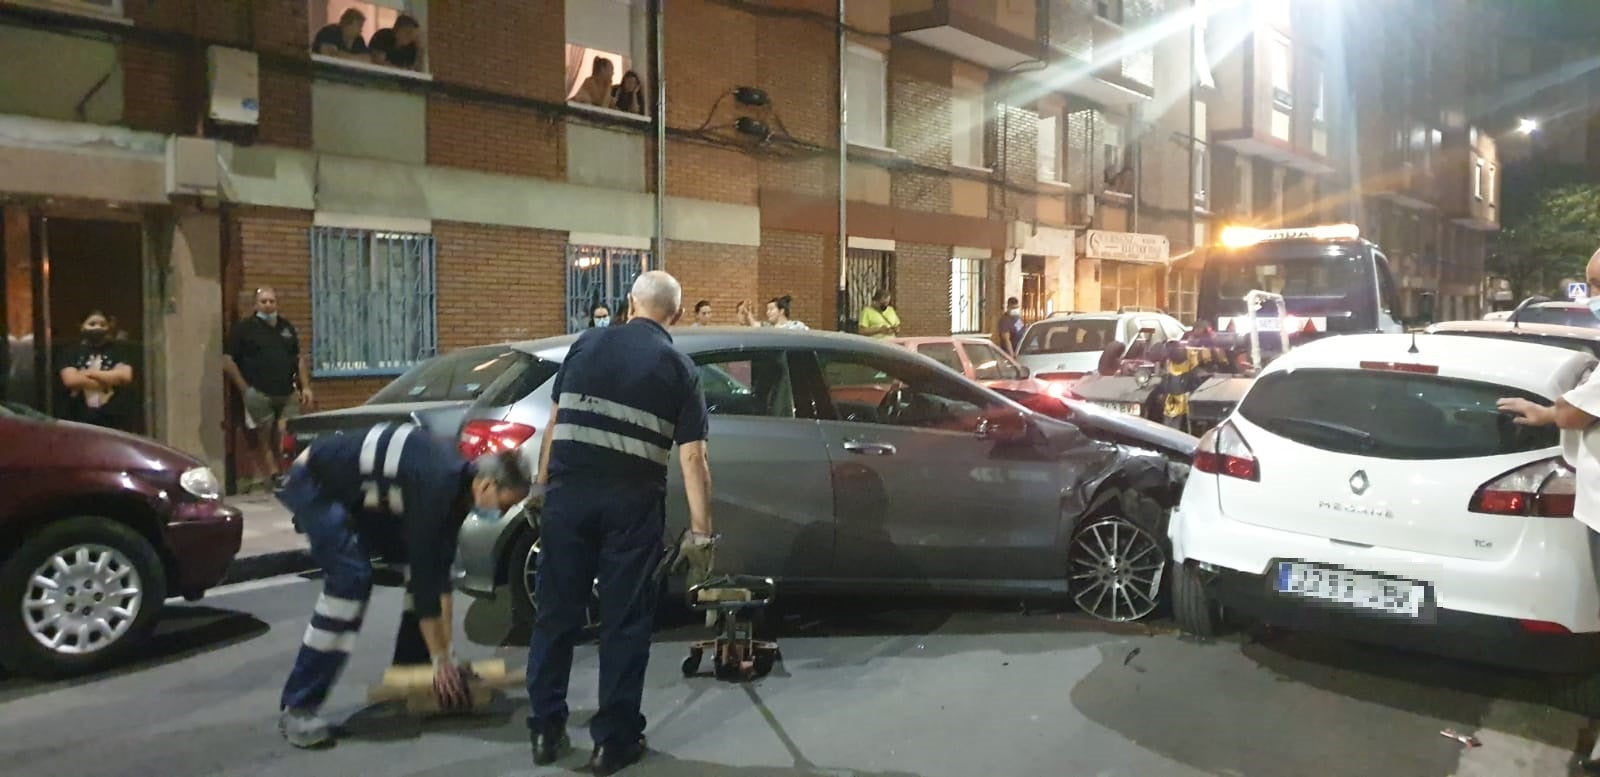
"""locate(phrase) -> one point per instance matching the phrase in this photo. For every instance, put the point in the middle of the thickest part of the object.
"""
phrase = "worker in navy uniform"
(624, 396)
(397, 492)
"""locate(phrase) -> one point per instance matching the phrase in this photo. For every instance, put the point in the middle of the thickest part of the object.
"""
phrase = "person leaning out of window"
(93, 375)
(344, 39)
(628, 96)
(596, 89)
(398, 46)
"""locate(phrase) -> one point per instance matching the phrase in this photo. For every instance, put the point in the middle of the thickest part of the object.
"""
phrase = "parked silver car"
(841, 462)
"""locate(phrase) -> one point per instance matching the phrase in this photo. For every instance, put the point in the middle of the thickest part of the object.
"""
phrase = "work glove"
(697, 555)
(450, 685)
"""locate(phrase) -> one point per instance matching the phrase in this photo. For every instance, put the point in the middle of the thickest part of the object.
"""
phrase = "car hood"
(66, 444)
(1125, 429)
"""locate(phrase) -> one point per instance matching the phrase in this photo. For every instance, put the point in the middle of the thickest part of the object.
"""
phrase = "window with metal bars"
(966, 295)
(866, 271)
(373, 301)
(597, 275)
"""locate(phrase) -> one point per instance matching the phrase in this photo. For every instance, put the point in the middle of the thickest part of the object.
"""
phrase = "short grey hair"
(507, 469)
(658, 291)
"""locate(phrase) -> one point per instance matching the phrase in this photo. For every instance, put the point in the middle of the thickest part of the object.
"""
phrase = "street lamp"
(1527, 126)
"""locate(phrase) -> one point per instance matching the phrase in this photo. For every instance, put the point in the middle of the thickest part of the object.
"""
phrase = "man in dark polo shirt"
(263, 361)
(343, 39)
(398, 46)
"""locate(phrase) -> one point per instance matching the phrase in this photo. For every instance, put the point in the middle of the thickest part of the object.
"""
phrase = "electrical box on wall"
(192, 166)
(234, 86)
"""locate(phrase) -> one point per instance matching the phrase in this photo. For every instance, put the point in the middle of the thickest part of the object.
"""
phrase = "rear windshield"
(524, 375)
(1565, 315)
(1075, 336)
(460, 375)
(1391, 415)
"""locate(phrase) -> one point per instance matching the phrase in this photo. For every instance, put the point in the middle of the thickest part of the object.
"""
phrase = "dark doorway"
(1034, 292)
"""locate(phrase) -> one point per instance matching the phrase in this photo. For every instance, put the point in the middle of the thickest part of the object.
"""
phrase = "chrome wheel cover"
(82, 599)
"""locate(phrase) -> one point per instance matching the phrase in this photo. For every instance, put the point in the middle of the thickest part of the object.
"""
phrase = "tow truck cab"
(1331, 279)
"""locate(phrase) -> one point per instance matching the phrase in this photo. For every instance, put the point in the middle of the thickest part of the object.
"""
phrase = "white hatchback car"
(1066, 346)
(1368, 486)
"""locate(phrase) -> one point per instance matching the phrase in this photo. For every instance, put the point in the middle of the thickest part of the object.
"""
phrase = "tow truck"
(1261, 293)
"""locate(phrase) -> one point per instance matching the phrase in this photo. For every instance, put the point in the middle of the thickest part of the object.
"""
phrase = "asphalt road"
(930, 688)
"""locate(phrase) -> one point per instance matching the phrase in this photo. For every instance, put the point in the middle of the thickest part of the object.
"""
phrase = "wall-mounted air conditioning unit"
(233, 86)
(192, 166)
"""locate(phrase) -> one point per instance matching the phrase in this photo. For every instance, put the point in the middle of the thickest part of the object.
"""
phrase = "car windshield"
(1391, 415)
(1315, 280)
(1565, 315)
(1070, 336)
(459, 375)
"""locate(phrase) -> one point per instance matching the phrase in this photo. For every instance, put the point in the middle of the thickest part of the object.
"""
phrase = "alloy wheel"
(530, 583)
(82, 599)
(1115, 570)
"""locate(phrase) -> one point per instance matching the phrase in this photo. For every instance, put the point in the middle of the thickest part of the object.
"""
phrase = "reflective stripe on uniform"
(621, 443)
(373, 495)
(339, 609)
(616, 410)
(329, 641)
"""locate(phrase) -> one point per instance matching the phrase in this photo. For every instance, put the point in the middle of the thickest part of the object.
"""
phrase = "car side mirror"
(1004, 426)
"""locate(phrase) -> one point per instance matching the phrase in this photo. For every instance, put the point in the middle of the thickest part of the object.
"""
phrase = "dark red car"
(97, 529)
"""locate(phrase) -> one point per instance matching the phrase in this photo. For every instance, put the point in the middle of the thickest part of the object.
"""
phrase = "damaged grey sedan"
(844, 464)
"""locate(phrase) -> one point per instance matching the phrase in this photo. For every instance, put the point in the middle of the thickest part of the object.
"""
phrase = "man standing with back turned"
(623, 396)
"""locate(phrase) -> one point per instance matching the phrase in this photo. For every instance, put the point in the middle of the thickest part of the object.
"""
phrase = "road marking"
(254, 585)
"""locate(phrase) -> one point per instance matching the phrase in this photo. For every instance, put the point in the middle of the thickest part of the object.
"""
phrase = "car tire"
(522, 586)
(100, 552)
(1136, 526)
(1192, 606)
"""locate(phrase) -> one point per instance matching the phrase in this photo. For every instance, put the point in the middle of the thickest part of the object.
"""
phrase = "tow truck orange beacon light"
(1238, 236)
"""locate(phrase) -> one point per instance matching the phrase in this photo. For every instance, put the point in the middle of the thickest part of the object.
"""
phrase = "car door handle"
(874, 448)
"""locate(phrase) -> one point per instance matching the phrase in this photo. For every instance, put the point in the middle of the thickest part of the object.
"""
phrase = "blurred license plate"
(1130, 408)
(1354, 589)
(1268, 324)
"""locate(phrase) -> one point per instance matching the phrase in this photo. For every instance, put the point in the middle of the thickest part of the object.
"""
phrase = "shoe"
(304, 729)
(549, 744)
(613, 758)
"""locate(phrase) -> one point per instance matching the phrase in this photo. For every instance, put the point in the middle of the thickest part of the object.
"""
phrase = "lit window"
(1488, 188)
(966, 126)
(1282, 73)
(383, 40)
(607, 41)
(966, 295)
(372, 301)
(1049, 153)
(867, 79)
(1477, 179)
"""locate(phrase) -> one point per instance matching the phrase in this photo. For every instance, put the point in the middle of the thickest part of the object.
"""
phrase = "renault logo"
(1359, 483)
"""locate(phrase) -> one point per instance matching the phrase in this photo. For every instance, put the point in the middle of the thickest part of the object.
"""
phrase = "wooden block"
(414, 684)
(724, 595)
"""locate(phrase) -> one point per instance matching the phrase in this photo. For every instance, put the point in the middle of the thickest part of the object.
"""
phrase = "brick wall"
(723, 274)
(498, 283)
(710, 50)
(919, 125)
(1016, 152)
(514, 47)
(804, 93)
(805, 267)
(922, 288)
(495, 139)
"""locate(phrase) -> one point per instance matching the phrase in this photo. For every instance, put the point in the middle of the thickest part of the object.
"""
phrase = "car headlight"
(201, 483)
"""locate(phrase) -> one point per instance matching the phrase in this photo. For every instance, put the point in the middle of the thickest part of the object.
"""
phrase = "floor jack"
(735, 654)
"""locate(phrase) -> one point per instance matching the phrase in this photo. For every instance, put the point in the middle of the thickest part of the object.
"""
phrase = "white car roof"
(1545, 370)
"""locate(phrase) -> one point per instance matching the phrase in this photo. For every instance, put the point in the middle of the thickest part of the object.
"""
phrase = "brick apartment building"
(1077, 154)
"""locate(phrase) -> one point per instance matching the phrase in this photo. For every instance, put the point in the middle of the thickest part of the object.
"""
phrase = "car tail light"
(480, 438)
(1419, 369)
(1544, 488)
(1543, 627)
(1223, 451)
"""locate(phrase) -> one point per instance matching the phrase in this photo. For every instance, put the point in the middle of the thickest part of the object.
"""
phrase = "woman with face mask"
(93, 374)
(599, 316)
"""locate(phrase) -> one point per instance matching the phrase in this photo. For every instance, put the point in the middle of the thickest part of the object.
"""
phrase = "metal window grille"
(966, 295)
(597, 275)
(373, 301)
(866, 271)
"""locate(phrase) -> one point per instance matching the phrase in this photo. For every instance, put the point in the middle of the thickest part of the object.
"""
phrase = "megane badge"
(1359, 483)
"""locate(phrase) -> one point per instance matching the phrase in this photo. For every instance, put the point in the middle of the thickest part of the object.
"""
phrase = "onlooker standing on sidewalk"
(1575, 413)
(94, 374)
(265, 363)
(1008, 333)
(778, 310)
(879, 319)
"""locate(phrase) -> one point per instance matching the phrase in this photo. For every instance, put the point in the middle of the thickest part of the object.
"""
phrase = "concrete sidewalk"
(270, 546)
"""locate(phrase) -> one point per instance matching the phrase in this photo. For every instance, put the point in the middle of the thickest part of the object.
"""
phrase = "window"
(606, 41)
(1123, 284)
(966, 295)
(1111, 150)
(1202, 176)
(1282, 86)
(866, 271)
(1049, 154)
(867, 79)
(1391, 415)
(1074, 336)
(988, 363)
(967, 127)
(379, 16)
(1488, 186)
(868, 389)
(458, 375)
(1183, 295)
(1477, 179)
(372, 301)
(943, 353)
(746, 384)
(598, 275)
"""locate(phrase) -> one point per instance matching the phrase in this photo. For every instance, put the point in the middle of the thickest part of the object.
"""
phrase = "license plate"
(1268, 324)
(1129, 408)
(1363, 590)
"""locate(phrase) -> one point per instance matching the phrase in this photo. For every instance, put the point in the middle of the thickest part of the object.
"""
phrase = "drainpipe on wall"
(842, 302)
(660, 243)
(1138, 167)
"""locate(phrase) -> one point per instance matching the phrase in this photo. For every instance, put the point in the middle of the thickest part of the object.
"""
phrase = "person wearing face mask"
(599, 316)
(93, 375)
(1008, 333)
(398, 492)
(265, 363)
